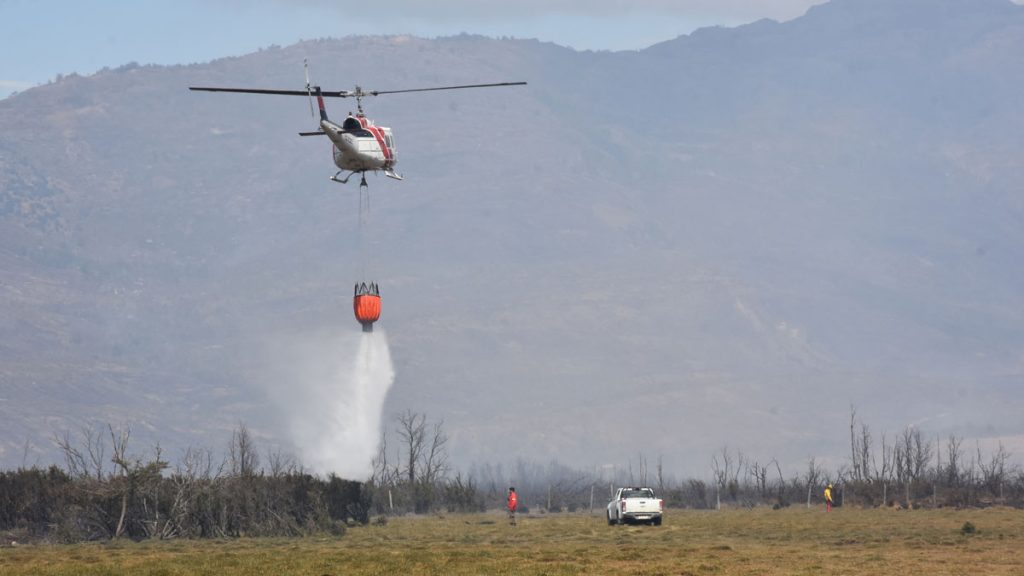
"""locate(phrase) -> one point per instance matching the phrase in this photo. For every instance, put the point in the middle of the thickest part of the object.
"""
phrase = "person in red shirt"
(513, 503)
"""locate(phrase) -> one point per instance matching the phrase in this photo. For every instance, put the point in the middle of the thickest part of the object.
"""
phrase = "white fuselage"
(359, 146)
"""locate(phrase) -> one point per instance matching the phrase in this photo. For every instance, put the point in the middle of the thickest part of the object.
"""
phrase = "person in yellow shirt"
(828, 498)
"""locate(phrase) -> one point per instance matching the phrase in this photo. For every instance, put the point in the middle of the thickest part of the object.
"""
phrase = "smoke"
(333, 400)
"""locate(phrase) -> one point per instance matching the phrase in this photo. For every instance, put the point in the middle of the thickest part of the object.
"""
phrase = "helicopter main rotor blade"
(326, 94)
(376, 92)
(346, 93)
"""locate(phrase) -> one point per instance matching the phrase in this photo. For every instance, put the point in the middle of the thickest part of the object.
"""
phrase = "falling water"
(334, 405)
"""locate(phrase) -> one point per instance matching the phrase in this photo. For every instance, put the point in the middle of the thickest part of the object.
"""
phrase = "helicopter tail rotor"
(309, 92)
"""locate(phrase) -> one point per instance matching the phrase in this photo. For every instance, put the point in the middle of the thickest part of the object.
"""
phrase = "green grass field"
(762, 541)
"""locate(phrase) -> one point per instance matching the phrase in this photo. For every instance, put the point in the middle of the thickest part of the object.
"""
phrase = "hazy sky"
(42, 38)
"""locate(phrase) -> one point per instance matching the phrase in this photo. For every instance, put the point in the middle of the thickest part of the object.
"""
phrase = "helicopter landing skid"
(341, 180)
(362, 179)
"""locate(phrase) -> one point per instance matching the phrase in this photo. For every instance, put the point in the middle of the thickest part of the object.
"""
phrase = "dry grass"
(791, 541)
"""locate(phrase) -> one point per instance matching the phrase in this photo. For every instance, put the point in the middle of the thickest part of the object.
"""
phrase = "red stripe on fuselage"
(379, 134)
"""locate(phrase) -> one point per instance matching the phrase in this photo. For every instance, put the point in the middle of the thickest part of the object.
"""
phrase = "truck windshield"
(645, 493)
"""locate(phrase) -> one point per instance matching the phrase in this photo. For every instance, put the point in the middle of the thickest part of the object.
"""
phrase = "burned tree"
(423, 460)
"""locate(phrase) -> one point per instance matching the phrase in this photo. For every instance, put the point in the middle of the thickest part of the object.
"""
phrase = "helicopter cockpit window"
(389, 141)
(351, 124)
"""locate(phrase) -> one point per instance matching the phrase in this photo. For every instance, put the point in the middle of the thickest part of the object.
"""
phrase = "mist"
(330, 408)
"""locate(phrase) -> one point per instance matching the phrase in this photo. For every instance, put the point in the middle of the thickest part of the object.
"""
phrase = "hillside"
(727, 238)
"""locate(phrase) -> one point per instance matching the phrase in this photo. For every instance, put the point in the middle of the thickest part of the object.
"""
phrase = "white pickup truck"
(635, 505)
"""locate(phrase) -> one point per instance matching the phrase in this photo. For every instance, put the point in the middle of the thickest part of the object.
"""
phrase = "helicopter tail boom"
(320, 104)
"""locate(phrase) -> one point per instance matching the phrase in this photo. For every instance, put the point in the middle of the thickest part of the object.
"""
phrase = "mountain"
(727, 238)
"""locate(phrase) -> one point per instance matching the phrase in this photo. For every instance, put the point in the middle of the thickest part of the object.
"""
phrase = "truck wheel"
(610, 521)
(656, 521)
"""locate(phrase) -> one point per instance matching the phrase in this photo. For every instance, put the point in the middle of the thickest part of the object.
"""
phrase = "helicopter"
(359, 145)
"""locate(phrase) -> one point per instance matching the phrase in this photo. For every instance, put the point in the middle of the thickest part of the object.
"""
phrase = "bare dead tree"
(781, 492)
(192, 473)
(196, 463)
(734, 482)
(759, 474)
(85, 463)
(26, 448)
(864, 454)
(727, 469)
(954, 460)
(74, 460)
(383, 475)
(970, 480)
(95, 448)
(884, 474)
(119, 445)
(132, 478)
(920, 456)
(721, 467)
(811, 477)
(843, 478)
(147, 481)
(85, 458)
(435, 461)
(900, 467)
(243, 457)
(994, 472)
(424, 459)
(854, 449)
(911, 457)
(412, 431)
(901, 462)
